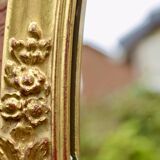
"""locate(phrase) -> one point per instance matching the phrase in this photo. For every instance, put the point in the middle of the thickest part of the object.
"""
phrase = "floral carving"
(36, 110)
(32, 51)
(27, 103)
(34, 30)
(11, 106)
(39, 151)
(8, 151)
(27, 80)
(22, 132)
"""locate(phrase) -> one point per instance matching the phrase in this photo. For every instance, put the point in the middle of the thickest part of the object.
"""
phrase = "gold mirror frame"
(41, 79)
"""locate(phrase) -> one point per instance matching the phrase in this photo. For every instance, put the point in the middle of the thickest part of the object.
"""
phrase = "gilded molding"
(39, 109)
(26, 105)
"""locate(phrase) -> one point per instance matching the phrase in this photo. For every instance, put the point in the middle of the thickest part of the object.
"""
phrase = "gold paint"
(38, 77)
(28, 107)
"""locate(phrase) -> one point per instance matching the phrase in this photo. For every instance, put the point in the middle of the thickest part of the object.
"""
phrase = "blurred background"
(120, 82)
(120, 94)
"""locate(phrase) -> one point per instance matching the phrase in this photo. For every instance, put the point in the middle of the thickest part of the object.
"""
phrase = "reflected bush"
(126, 126)
(127, 144)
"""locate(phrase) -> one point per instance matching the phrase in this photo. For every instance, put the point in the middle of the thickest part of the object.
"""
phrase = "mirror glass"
(120, 89)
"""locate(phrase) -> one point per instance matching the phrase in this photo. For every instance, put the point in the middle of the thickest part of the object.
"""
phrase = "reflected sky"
(107, 21)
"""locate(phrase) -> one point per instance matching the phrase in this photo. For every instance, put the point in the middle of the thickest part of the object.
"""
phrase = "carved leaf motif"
(39, 151)
(22, 133)
(31, 51)
(7, 150)
(34, 50)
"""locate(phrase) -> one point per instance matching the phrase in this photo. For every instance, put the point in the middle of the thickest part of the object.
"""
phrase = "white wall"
(147, 61)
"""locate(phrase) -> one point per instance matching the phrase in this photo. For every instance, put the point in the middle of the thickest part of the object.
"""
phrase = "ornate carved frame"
(40, 80)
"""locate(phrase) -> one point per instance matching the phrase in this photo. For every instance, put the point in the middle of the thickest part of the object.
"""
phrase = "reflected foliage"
(126, 126)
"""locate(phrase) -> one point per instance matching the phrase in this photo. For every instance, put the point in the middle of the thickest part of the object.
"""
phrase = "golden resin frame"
(40, 81)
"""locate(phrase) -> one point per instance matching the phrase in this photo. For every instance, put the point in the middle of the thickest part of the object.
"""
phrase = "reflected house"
(142, 49)
(102, 75)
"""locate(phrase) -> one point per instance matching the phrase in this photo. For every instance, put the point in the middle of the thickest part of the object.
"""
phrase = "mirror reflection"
(120, 93)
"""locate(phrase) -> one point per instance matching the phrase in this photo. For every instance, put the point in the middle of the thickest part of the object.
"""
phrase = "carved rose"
(30, 81)
(27, 80)
(14, 107)
(11, 106)
(36, 110)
